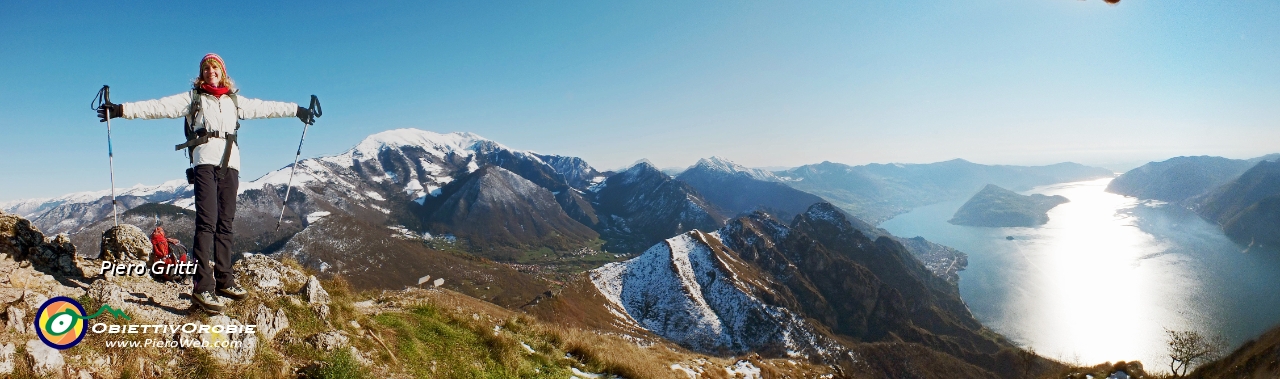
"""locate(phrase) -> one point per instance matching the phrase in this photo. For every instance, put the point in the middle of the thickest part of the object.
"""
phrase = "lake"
(1104, 278)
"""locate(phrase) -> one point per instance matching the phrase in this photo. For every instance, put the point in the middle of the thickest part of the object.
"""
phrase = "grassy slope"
(421, 333)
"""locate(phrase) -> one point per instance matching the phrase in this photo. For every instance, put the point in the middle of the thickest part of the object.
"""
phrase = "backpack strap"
(230, 138)
(235, 100)
(193, 138)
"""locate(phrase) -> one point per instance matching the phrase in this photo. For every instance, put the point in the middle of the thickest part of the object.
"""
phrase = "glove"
(304, 114)
(116, 111)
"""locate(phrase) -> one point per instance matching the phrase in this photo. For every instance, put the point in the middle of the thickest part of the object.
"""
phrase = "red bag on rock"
(169, 252)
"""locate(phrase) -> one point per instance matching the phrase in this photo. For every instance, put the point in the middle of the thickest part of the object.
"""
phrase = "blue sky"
(761, 83)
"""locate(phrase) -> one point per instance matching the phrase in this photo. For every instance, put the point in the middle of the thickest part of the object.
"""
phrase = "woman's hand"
(305, 115)
(116, 110)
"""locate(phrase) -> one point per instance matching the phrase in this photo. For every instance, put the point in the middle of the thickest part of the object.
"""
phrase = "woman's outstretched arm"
(166, 107)
(255, 108)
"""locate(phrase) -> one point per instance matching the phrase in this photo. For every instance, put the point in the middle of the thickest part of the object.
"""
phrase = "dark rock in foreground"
(999, 207)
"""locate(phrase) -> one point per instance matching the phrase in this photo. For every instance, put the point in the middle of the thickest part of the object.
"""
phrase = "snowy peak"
(718, 165)
(576, 171)
(640, 172)
(432, 142)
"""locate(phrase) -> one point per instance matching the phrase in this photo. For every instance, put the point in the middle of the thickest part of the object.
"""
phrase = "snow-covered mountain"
(793, 289)
(690, 289)
(384, 179)
(726, 167)
(736, 189)
(69, 212)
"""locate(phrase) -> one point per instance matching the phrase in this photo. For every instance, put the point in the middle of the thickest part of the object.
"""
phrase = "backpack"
(168, 252)
(196, 137)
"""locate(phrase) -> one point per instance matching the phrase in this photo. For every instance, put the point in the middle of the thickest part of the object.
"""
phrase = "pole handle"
(315, 106)
(103, 97)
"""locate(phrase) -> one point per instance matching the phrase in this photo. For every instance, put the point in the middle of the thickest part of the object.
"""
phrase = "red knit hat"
(216, 58)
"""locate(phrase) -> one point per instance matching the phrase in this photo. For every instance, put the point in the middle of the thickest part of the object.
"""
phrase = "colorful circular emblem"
(60, 323)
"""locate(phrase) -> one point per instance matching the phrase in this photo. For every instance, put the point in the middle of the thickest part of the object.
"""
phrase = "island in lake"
(999, 207)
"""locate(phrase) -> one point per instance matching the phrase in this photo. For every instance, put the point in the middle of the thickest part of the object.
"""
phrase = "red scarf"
(215, 91)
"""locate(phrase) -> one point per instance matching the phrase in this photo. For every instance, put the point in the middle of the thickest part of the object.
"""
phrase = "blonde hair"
(226, 80)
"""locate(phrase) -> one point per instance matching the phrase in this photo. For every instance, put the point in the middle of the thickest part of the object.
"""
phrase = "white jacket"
(216, 114)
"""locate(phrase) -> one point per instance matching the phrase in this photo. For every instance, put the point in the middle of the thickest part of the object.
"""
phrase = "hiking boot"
(233, 292)
(207, 301)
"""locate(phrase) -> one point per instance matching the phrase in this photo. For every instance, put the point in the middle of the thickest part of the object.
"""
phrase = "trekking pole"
(104, 97)
(315, 112)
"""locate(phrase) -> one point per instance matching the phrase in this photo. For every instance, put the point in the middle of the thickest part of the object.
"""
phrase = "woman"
(213, 110)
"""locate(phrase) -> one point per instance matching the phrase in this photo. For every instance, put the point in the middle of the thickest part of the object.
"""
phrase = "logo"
(61, 322)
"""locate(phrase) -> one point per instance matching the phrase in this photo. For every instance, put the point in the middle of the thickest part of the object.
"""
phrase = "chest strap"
(203, 138)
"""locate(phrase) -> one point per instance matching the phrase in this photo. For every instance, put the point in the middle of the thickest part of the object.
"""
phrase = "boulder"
(16, 319)
(18, 236)
(317, 297)
(10, 295)
(270, 323)
(266, 275)
(233, 349)
(57, 256)
(328, 341)
(27, 235)
(33, 300)
(45, 360)
(8, 223)
(359, 357)
(315, 292)
(108, 293)
(125, 241)
(6, 358)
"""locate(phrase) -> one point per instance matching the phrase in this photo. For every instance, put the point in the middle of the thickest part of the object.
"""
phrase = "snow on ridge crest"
(436, 143)
(722, 165)
(30, 208)
(681, 290)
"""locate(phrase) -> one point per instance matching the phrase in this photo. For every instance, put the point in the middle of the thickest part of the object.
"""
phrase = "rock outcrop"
(317, 297)
(125, 241)
(44, 360)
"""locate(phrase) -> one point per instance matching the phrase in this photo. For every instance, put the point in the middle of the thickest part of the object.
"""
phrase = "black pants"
(215, 213)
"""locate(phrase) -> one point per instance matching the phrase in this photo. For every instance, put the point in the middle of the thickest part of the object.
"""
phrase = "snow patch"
(744, 368)
(316, 216)
(188, 203)
(586, 375)
(413, 187)
(677, 367)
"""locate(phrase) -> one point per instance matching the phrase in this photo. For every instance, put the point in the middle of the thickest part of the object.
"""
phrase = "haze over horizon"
(773, 84)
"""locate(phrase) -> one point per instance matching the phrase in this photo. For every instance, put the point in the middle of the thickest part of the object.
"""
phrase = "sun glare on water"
(1106, 276)
(1095, 285)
